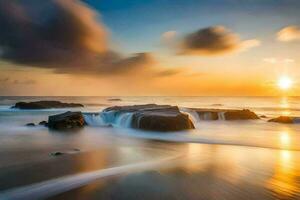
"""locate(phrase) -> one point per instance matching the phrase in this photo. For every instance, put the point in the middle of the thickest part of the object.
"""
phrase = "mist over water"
(239, 159)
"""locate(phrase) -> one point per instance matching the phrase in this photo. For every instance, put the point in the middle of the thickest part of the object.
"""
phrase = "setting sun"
(284, 83)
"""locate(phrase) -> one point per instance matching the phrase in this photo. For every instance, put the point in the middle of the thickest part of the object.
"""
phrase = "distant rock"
(217, 104)
(225, 114)
(45, 105)
(263, 116)
(43, 123)
(286, 120)
(115, 99)
(30, 124)
(57, 153)
(154, 117)
(65, 121)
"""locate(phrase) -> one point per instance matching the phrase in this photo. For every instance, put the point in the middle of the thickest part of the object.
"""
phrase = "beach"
(251, 159)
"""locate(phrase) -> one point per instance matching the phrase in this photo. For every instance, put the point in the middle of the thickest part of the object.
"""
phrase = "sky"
(149, 47)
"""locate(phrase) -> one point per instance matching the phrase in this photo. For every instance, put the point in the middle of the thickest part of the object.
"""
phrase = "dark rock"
(114, 99)
(155, 117)
(65, 121)
(76, 149)
(43, 123)
(283, 119)
(30, 124)
(57, 153)
(45, 105)
(263, 116)
(224, 114)
(240, 115)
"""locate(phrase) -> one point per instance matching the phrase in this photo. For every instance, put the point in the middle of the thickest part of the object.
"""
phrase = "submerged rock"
(65, 121)
(45, 105)
(225, 114)
(152, 117)
(30, 124)
(286, 120)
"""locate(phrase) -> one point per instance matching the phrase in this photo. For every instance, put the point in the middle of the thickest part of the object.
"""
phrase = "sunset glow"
(284, 83)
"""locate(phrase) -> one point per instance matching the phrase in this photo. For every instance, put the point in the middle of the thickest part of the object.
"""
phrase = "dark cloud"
(65, 35)
(214, 40)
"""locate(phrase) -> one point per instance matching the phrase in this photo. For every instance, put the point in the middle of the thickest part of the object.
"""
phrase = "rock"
(30, 124)
(284, 119)
(263, 116)
(154, 117)
(57, 153)
(224, 114)
(65, 121)
(114, 99)
(43, 123)
(240, 115)
(45, 105)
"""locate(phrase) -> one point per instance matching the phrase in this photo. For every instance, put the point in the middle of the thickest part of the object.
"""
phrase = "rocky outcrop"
(285, 120)
(225, 114)
(45, 105)
(30, 124)
(65, 121)
(153, 117)
(240, 115)
(43, 123)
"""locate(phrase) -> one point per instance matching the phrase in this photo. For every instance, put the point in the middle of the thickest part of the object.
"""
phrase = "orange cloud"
(289, 33)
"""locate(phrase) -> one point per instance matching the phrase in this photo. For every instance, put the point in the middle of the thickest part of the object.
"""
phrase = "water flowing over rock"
(147, 117)
(222, 114)
(286, 120)
(65, 121)
(45, 105)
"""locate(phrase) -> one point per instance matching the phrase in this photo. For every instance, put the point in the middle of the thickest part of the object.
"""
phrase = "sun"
(284, 83)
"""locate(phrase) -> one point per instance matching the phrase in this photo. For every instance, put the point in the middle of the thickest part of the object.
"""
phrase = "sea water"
(262, 154)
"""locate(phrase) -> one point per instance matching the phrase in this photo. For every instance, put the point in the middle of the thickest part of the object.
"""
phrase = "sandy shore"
(200, 171)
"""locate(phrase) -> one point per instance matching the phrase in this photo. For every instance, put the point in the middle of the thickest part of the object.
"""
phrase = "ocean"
(218, 160)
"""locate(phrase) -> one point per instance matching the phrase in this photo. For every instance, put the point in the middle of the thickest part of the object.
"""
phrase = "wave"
(53, 187)
(184, 137)
(109, 118)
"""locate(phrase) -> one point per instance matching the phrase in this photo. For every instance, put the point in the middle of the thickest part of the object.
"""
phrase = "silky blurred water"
(218, 160)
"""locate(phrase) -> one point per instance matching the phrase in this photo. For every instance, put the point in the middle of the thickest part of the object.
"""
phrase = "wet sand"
(201, 171)
(207, 172)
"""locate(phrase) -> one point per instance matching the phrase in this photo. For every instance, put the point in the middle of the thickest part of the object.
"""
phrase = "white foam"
(221, 116)
(113, 118)
(52, 187)
(192, 114)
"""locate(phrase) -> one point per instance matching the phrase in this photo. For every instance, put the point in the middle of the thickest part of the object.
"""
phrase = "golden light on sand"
(284, 83)
(284, 139)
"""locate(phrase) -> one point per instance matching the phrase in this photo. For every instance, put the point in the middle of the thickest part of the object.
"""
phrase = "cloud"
(214, 40)
(270, 60)
(168, 37)
(7, 80)
(168, 72)
(289, 33)
(64, 35)
(273, 60)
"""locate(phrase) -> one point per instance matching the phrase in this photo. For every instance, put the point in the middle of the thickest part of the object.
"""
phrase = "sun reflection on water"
(284, 181)
(284, 139)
